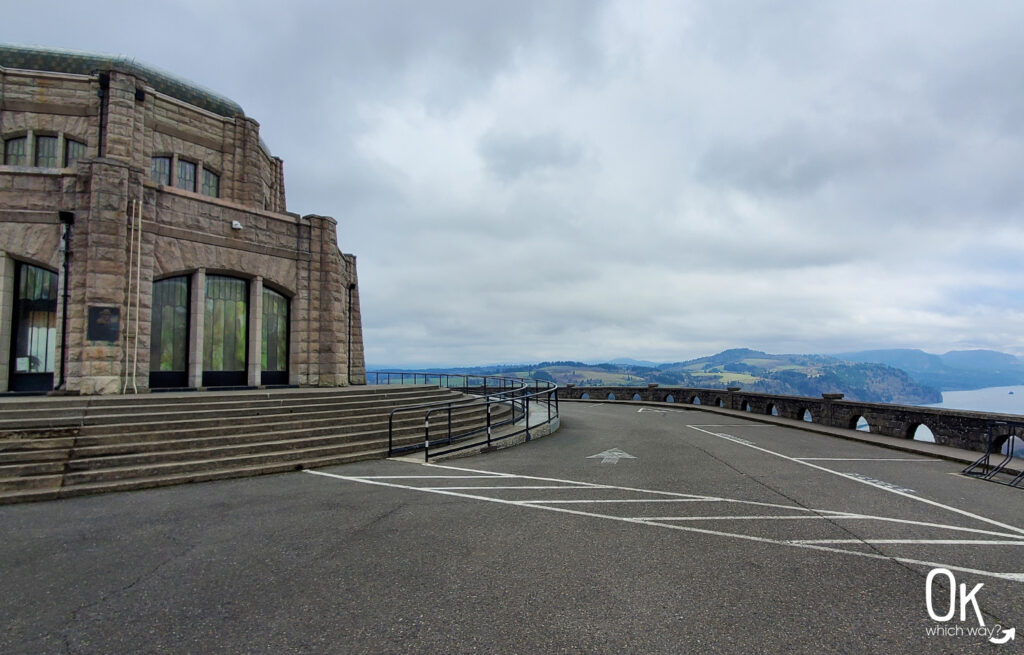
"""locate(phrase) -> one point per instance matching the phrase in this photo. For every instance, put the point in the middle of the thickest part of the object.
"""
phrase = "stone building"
(145, 241)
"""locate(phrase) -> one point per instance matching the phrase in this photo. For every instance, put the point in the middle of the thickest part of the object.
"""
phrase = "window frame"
(207, 175)
(54, 156)
(183, 165)
(68, 144)
(23, 155)
(152, 171)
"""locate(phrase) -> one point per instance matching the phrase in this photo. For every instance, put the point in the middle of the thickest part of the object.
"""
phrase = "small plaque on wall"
(104, 323)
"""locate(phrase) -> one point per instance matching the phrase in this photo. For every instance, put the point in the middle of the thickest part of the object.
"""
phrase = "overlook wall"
(957, 428)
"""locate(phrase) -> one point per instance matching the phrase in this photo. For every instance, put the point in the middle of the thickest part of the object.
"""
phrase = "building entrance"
(225, 331)
(34, 337)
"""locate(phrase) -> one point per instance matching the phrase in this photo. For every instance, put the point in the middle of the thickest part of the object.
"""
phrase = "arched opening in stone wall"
(746, 406)
(168, 343)
(670, 398)
(860, 423)
(585, 396)
(720, 402)
(636, 396)
(807, 417)
(772, 410)
(226, 331)
(274, 340)
(611, 396)
(921, 432)
(33, 329)
(695, 400)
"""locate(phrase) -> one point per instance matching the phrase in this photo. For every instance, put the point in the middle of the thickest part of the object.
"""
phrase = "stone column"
(197, 316)
(6, 314)
(99, 270)
(355, 358)
(255, 363)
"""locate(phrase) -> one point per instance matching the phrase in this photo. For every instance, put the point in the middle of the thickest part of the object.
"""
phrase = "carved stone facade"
(183, 267)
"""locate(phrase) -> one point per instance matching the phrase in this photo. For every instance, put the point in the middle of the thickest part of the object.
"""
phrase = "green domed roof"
(84, 63)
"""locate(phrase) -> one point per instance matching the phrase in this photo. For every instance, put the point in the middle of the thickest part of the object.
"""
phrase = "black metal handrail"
(494, 392)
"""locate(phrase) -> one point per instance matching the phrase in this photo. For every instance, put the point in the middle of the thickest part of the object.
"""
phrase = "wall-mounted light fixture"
(235, 225)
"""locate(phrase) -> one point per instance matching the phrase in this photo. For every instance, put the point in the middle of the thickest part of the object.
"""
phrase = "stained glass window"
(211, 184)
(14, 152)
(186, 175)
(73, 151)
(169, 336)
(46, 151)
(225, 325)
(160, 170)
(274, 351)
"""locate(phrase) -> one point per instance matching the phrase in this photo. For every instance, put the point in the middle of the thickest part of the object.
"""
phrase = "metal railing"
(498, 402)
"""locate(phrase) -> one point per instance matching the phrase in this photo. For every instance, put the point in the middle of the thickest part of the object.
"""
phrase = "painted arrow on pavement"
(612, 456)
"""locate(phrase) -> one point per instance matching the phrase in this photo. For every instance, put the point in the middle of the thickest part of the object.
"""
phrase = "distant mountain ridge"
(957, 370)
(753, 370)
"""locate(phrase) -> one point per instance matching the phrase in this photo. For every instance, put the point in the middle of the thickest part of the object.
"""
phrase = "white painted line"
(927, 501)
(881, 483)
(804, 517)
(836, 517)
(865, 459)
(736, 425)
(582, 486)
(942, 542)
(642, 491)
(1016, 577)
(433, 477)
(622, 500)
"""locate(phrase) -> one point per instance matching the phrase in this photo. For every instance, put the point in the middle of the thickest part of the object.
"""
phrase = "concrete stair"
(58, 447)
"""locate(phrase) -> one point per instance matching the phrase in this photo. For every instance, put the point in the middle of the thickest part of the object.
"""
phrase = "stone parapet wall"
(957, 428)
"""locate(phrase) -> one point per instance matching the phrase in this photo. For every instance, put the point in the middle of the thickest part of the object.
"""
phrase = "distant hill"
(753, 370)
(954, 371)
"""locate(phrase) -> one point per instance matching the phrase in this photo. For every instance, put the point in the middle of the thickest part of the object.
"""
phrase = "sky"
(547, 180)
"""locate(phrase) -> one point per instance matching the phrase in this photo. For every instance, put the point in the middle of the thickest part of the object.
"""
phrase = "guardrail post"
(426, 438)
(488, 423)
(449, 422)
(526, 412)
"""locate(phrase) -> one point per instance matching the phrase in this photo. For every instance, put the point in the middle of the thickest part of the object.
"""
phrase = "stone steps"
(129, 442)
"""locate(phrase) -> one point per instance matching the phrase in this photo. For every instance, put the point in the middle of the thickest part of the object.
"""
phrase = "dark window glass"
(36, 329)
(275, 332)
(160, 170)
(73, 151)
(168, 343)
(211, 184)
(225, 326)
(14, 152)
(46, 151)
(186, 175)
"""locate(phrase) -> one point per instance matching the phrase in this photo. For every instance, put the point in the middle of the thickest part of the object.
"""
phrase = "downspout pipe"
(68, 220)
(104, 79)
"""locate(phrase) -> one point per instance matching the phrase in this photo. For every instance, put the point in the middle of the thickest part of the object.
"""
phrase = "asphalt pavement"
(630, 530)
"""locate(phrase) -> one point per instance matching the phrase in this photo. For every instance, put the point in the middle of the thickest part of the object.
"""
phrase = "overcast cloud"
(583, 180)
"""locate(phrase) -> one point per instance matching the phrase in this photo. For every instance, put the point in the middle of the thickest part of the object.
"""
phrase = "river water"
(1002, 400)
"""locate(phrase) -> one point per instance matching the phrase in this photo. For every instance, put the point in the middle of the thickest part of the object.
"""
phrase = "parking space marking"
(866, 459)
(673, 523)
(868, 481)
